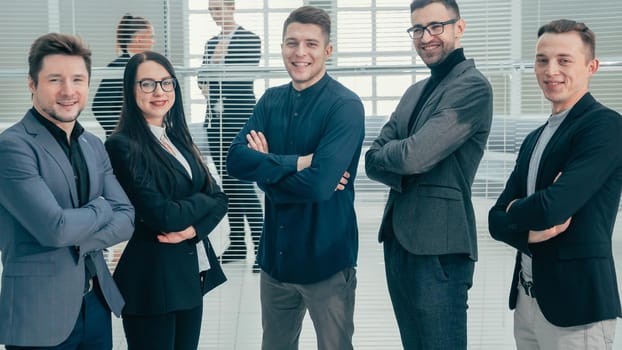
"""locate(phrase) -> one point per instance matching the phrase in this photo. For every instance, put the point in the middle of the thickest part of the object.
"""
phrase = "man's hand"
(343, 182)
(545, 235)
(304, 162)
(257, 141)
(176, 237)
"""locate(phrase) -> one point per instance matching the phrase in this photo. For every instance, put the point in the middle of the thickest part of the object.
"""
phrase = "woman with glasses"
(168, 264)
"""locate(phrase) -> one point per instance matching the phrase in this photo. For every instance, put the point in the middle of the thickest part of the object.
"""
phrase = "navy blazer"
(573, 273)
(236, 94)
(41, 224)
(157, 278)
(108, 99)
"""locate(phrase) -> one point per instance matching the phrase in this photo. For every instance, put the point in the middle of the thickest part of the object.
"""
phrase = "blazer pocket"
(29, 269)
(585, 251)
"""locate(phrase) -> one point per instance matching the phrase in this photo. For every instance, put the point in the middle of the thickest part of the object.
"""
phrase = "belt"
(527, 286)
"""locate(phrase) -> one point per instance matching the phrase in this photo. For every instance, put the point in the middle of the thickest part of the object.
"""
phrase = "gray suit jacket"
(430, 169)
(40, 227)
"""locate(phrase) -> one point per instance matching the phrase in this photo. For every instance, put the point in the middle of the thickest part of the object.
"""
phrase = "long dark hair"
(145, 151)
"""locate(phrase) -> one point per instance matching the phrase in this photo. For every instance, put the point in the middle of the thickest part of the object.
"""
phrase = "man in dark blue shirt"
(302, 146)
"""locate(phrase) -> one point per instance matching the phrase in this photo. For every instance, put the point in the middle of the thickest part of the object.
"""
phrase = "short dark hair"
(309, 15)
(128, 27)
(566, 26)
(449, 4)
(56, 44)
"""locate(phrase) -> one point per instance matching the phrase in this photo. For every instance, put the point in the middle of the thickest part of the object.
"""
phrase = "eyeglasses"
(434, 29)
(149, 85)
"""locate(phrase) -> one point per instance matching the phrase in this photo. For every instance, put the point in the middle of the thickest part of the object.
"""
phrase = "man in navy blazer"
(560, 203)
(60, 206)
(428, 153)
(230, 102)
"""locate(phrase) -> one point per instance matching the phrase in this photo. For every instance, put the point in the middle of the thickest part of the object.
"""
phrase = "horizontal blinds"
(373, 56)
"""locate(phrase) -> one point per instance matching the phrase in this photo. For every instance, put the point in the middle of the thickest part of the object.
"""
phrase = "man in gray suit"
(428, 153)
(60, 206)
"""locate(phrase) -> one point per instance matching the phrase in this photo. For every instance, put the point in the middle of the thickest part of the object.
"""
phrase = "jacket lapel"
(410, 102)
(88, 153)
(425, 113)
(46, 141)
(575, 112)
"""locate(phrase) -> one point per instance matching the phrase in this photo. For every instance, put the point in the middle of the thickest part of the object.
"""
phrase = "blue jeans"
(429, 296)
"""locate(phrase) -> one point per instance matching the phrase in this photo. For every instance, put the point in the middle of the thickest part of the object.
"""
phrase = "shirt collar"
(57, 132)
(157, 131)
(313, 88)
(556, 119)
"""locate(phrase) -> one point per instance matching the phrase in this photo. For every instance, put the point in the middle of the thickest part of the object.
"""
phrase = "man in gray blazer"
(60, 206)
(428, 153)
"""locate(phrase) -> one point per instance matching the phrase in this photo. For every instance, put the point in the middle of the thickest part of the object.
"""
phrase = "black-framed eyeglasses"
(149, 85)
(434, 29)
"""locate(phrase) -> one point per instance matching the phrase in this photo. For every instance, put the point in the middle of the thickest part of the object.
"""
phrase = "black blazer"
(108, 99)
(156, 278)
(237, 96)
(573, 273)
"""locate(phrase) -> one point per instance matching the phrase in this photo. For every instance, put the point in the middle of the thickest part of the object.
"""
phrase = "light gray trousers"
(533, 332)
(331, 307)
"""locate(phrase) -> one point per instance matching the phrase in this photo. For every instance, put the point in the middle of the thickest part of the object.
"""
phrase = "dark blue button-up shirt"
(310, 230)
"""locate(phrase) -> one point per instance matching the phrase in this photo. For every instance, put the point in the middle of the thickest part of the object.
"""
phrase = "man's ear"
(593, 65)
(460, 26)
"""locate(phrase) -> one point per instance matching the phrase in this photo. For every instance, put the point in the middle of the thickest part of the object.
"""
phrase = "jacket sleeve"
(158, 211)
(499, 226)
(467, 110)
(206, 224)
(26, 195)
(373, 165)
(594, 156)
(121, 225)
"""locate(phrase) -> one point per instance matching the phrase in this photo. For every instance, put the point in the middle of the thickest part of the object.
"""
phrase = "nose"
(552, 68)
(67, 87)
(300, 49)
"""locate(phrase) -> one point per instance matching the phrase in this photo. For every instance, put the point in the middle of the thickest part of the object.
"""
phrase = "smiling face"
(62, 89)
(305, 50)
(563, 68)
(434, 49)
(154, 105)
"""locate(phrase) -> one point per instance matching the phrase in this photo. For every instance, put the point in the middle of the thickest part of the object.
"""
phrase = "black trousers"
(178, 330)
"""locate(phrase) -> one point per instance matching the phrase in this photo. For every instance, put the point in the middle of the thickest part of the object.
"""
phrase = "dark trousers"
(243, 199)
(93, 329)
(177, 330)
(429, 296)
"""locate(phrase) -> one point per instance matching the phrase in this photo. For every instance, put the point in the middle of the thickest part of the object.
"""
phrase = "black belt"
(527, 286)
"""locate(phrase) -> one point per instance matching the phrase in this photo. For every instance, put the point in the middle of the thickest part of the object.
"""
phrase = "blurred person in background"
(230, 103)
(134, 35)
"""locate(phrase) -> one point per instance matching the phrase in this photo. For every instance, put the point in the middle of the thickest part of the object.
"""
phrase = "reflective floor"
(232, 321)
(232, 313)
